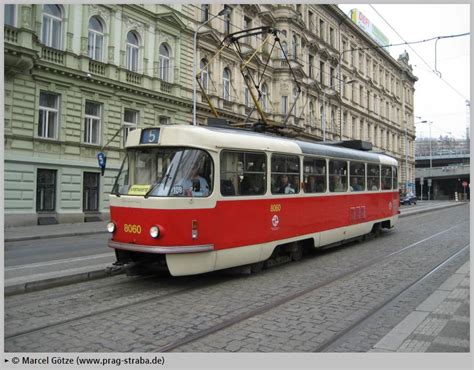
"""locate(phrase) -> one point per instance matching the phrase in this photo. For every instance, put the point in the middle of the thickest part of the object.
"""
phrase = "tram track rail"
(339, 337)
(195, 285)
(288, 298)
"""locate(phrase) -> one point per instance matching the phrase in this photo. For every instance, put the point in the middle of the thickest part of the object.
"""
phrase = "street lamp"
(324, 106)
(222, 12)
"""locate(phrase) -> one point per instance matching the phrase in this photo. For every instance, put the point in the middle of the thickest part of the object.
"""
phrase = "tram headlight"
(154, 232)
(111, 227)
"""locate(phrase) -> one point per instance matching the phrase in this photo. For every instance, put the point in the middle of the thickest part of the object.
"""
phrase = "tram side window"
(373, 177)
(285, 175)
(315, 172)
(243, 173)
(337, 176)
(357, 173)
(386, 177)
(394, 178)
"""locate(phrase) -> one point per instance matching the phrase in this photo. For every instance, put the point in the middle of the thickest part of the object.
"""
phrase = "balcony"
(227, 104)
(10, 34)
(166, 87)
(134, 78)
(96, 68)
(52, 55)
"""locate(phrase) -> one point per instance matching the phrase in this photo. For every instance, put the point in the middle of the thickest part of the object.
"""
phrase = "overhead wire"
(419, 56)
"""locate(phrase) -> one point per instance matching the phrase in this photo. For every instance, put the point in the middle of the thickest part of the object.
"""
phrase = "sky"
(443, 103)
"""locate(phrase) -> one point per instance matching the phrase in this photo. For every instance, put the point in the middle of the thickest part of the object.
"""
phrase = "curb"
(51, 236)
(417, 212)
(34, 286)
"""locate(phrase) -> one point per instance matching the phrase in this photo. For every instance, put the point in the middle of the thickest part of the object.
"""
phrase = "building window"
(284, 104)
(91, 192)
(132, 51)
(204, 12)
(311, 20)
(333, 120)
(294, 98)
(48, 115)
(331, 76)
(321, 72)
(294, 45)
(165, 65)
(284, 50)
(10, 15)
(96, 39)
(311, 114)
(226, 83)
(332, 41)
(246, 96)
(45, 190)
(92, 123)
(52, 26)
(264, 97)
(165, 120)
(247, 26)
(227, 19)
(204, 74)
(310, 66)
(321, 29)
(130, 122)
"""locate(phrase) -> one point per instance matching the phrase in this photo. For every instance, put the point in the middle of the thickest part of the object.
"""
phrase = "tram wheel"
(256, 267)
(297, 253)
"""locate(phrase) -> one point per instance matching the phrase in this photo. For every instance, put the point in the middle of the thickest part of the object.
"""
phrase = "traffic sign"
(464, 183)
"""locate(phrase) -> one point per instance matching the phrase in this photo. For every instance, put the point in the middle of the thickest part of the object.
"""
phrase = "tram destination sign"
(150, 136)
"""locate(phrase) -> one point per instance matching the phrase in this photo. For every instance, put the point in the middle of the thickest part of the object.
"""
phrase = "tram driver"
(195, 185)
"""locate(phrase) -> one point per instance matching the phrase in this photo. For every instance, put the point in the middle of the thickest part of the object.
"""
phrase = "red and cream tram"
(197, 199)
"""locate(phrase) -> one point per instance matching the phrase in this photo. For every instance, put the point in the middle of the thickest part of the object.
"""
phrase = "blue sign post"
(102, 160)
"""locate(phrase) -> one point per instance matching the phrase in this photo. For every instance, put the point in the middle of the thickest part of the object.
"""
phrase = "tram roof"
(218, 138)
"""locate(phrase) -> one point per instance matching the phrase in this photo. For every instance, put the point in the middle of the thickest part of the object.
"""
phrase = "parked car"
(408, 198)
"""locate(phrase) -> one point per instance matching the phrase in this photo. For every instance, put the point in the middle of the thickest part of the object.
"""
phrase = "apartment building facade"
(79, 77)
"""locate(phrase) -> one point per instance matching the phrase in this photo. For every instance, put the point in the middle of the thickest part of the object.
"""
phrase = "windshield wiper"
(155, 184)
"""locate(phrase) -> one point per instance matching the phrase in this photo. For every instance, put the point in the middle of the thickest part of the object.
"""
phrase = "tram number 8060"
(275, 207)
(132, 229)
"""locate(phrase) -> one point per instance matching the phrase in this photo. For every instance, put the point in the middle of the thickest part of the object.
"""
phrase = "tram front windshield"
(165, 172)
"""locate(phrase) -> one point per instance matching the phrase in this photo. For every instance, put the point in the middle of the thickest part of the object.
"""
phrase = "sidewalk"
(20, 233)
(439, 324)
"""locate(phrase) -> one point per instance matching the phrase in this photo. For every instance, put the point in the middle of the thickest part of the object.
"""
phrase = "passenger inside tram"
(284, 187)
(337, 184)
(355, 186)
(314, 186)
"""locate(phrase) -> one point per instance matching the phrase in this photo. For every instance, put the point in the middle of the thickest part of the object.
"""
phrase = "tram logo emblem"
(390, 205)
(275, 221)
